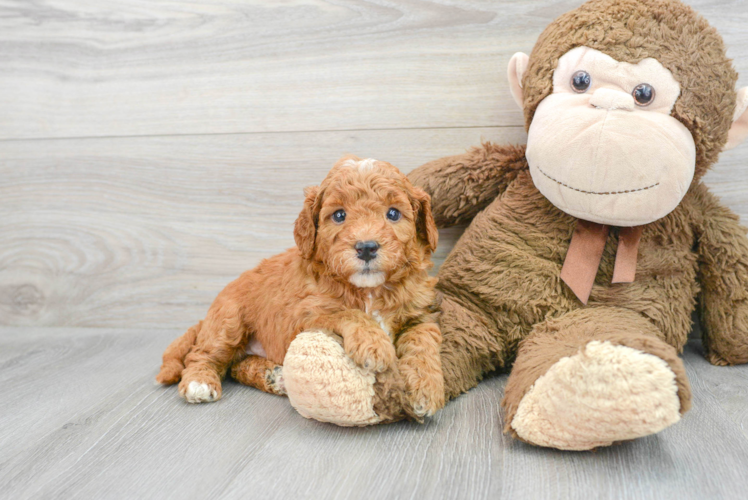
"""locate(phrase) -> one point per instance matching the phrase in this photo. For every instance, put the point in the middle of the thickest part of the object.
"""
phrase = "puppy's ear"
(425, 224)
(305, 229)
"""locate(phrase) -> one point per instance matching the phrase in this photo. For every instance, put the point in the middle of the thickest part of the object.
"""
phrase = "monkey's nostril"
(366, 250)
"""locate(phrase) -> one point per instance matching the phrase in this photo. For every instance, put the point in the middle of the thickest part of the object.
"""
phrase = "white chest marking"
(377, 316)
(379, 319)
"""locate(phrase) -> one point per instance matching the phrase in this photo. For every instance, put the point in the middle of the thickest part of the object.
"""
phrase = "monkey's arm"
(461, 186)
(723, 274)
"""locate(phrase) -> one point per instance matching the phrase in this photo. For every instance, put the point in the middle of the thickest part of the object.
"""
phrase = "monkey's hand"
(461, 186)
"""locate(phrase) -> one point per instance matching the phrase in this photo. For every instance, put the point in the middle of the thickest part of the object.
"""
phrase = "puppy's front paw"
(427, 395)
(371, 349)
(194, 391)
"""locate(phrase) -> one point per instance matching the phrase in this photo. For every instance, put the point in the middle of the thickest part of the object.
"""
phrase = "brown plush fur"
(632, 30)
(503, 296)
(308, 288)
(560, 337)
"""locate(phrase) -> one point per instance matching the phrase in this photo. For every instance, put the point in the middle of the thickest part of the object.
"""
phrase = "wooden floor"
(82, 419)
(150, 151)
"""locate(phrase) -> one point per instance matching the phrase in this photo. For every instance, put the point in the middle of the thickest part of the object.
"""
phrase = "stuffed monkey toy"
(588, 249)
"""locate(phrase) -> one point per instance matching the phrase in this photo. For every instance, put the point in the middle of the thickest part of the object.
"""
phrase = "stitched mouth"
(597, 192)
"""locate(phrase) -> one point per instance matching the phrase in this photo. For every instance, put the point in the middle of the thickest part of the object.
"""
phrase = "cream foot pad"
(603, 394)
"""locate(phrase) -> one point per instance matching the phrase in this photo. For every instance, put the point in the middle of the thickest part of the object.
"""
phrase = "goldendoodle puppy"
(364, 242)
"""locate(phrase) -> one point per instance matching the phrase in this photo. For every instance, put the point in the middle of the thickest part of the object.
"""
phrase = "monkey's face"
(603, 146)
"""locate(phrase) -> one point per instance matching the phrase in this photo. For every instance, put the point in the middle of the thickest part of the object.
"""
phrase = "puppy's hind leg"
(218, 341)
(260, 373)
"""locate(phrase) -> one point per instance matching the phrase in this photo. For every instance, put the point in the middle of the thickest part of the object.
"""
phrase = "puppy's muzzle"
(366, 250)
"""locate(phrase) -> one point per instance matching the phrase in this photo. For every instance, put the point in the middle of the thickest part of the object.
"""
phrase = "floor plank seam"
(257, 132)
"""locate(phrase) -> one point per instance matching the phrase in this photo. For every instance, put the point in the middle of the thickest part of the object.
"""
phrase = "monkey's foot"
(605, 393)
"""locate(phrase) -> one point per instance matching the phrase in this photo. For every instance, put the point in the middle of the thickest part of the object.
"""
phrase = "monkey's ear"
(305, 229)
(739, 129)
(515, 72)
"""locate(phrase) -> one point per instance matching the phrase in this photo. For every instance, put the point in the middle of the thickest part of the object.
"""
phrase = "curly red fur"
(310, 287)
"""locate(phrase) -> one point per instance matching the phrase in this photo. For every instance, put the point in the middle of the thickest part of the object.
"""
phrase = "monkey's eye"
(339, 216)
(644, 94)
(393, 214)
(581, 81)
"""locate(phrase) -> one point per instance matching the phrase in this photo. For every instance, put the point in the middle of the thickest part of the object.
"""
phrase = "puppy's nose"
(367, 250)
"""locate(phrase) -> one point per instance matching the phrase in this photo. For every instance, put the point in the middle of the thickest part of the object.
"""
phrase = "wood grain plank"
(83, 68)
(728, 385)
(85, 421)
(146, 231)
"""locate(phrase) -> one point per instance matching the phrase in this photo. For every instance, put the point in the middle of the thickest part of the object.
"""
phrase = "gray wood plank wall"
(151, 151)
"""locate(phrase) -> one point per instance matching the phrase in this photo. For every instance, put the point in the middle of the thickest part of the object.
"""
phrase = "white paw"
(422, 410)
(427, 406)
(200, 393)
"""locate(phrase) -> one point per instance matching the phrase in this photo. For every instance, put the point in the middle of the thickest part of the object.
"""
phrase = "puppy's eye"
(644, 94)
(339, 216)
(393, 214)
(581, 81)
